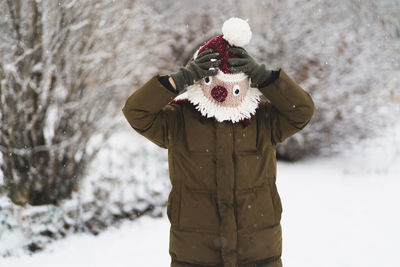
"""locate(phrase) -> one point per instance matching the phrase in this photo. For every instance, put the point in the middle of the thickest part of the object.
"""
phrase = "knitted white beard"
(209, 108)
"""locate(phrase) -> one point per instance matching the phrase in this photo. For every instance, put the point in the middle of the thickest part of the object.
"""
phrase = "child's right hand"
(205, 64)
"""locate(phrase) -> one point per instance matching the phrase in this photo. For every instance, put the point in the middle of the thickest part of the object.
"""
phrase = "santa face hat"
(227, 95)
(235, 32)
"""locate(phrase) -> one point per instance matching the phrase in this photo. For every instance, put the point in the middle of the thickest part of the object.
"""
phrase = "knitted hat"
(226, 96)
(235, 32)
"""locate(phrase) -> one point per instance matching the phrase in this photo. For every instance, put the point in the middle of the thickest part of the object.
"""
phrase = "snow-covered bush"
(57, 76)
(346, 54)
(127, 179)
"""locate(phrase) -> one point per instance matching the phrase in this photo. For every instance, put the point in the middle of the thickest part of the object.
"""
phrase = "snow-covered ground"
(143, 242)
(338, 211)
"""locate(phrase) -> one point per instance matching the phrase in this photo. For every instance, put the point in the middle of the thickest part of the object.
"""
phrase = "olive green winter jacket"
(224, 207)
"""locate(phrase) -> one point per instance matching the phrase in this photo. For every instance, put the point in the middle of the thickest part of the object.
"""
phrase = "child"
(223, 207)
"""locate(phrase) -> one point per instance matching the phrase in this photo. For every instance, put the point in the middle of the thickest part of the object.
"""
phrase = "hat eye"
(207, 80)
(236, 90)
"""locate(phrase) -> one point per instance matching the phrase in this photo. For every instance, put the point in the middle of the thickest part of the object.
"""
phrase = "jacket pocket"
(199, 134)
(255, 209)
(245, 138)
(198, 211)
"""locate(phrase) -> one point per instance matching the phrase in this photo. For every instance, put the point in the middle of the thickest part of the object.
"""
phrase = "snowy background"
(67, 67)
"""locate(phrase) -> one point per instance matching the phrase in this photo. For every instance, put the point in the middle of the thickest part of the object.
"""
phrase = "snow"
(138, 243)
(337, 211)
(338, 214)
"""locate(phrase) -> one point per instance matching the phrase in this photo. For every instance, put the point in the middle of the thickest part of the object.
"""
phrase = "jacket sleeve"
(290, 108)
(148, 113)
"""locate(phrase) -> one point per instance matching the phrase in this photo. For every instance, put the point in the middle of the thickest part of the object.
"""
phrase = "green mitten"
(205, 64)
(245, 63)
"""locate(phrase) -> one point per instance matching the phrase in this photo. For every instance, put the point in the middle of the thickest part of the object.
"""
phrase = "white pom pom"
(236, 31)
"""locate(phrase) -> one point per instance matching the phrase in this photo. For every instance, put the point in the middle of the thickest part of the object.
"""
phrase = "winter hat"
(235, 32)
(226, 96)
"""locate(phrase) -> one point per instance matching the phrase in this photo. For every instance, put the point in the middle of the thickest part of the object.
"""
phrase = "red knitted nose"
(219, 93)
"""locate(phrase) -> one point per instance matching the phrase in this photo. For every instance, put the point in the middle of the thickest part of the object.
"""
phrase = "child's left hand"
(246, 64)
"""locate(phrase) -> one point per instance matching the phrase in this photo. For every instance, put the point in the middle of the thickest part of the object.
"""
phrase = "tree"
(56, 89)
